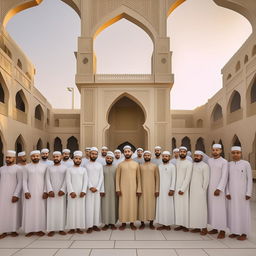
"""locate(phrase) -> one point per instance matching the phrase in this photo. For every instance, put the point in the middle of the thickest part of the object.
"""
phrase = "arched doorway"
(121, 146)
(57, 146)
(200, 144)
(126, 119)
(39, 144)
(186, 143)
(19, 144)
(72, 144)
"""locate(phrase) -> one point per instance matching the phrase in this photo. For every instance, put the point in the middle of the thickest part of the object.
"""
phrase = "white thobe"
(56, 206)
(34, 209)
(10, 185)
(118, 161)
(174, 160)
(165, 203)
(76, 181)
(85, 161)
(92, 202)
(68, 163)
(157, 161)
(217, 211)
(181, 202)
(239, 186)
(46, 162)
(198, 195)
(139, 160)
(101, 160)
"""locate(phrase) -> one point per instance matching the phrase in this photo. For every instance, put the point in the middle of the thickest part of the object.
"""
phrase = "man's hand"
(217, 192)
(138, 194)
(247, 197)
(45, 195)
(156, 194)
(82, 194)
(61, 193)
(27, 195)
(181, 193)
(118, 193)
(171, 193)
(93, 189)
(102, 194)
(228, 197)
(51, 194)
(15, 199)
(73, 195)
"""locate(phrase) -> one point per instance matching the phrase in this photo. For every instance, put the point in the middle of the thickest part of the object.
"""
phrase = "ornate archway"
(126, 119)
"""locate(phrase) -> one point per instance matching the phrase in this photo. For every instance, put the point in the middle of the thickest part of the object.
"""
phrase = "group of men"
(102, 188)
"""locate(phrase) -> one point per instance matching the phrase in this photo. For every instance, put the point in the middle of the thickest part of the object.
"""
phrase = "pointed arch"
(39, 113)
(21, 101)
(234, 102)
(199, 123)
(254, 50)
(4, 96)
(174, 143)
(200, 144)
(124, 12)
(72, 144)
(217, 113)
(251, 97)
(186, 142)
(39, 144)
(131, 97)
(176, 4)
(238, 66)
(236, 141)
(246, 59)
(57, 145)
(20, 144)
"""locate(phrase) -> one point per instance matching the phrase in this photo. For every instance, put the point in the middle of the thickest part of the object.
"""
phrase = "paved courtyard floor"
(130, 243)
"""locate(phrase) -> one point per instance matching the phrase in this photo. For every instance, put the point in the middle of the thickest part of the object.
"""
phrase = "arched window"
(174, 143)
(7, 51)
(200, 144)
(2, 94)
(217, 113)
(19, 64)
(72, 144)
(19, 144)
(186, 142)
(235, 103)
(236, 141)
(39, 144)
(229, 76)
(38, 112)
(20, 101)
(253, 91)
(199, 123)
(57, 144)
(238, 66)
(254, 50)
(246, 59)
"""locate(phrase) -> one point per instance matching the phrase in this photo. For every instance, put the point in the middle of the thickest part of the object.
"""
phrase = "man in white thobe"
(44, 157)
(239, 192)
(76, 181)
(10, 192)
(181, 196)
(217, 214)
(66, 160)
(175, 155)
(95, 187)
(101, 158)
(34, 188)
(139, 158)
(165, 203)
(198, 195)
(22, 159)
(118, 157)
(157, 159)
(86, 158)
(56, 202)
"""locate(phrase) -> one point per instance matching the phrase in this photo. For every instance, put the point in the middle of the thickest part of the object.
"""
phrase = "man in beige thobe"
(128, 187)
(150, 190)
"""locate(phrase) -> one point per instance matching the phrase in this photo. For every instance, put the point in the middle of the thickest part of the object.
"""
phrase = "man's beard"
(183, 156)
(127, 156)
(157, 154)
(103, 154)
(108, 162)
(147, 159)
(197, 160)
(165, 161)
(77, 163)
(35, 161)
(45, 157)
(93, 159)
(65, 158)
(117, 157)
(23, 160)
(56, 161)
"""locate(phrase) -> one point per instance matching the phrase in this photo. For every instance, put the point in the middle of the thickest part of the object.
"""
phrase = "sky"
(203, 37)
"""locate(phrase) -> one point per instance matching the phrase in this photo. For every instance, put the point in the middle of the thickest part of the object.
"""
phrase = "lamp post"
(72, 90)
